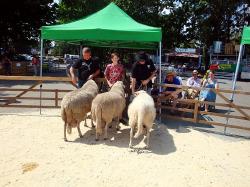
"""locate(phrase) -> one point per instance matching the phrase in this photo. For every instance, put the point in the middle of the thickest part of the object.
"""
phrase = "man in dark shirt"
(143, 72)
(87, 68)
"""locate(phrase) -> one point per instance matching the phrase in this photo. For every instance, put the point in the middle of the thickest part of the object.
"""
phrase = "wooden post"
(56, 97)
(196, 107)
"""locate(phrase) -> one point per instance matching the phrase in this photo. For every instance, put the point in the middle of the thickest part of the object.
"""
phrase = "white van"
(69, 58)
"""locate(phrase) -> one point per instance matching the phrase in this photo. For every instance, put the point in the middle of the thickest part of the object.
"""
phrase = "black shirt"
(142, 72)
(86, 68)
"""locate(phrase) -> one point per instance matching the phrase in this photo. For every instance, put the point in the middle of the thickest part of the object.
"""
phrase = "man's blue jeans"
(81, 83)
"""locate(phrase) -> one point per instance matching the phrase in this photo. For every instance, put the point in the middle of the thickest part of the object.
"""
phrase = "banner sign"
(185, 50)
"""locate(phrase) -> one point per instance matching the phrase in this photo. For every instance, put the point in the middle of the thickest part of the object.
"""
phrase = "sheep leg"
(79, 130)
(131, 137)
(106, 132)
(85, 123)
(148, 135)
(92, 123)
(117, 124)
(65, 128)
(97, 136)
(98, 128)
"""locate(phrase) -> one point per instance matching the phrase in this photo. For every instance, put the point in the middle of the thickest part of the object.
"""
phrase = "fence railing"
(196, 103)
(183, 108)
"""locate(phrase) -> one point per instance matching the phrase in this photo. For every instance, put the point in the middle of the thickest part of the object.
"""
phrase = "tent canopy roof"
(109, 27)
(245, 36)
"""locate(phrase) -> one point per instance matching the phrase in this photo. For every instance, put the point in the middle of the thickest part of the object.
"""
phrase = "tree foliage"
(187, 23)
(20, 21)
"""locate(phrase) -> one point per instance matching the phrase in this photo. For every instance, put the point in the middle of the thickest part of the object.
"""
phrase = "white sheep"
(141, 112)
(76, 104)
(106, 107)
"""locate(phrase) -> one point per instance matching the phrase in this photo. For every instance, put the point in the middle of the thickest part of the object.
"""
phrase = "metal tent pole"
(81, 44)
(235, 79)
(160, 63)
(41, 73)
(160, 76)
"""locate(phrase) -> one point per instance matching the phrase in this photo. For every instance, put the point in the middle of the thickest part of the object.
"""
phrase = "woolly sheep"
(106, 107)
(75, 106)
(141, 112)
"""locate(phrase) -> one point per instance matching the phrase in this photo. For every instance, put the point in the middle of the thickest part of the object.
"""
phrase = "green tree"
(187, 23)
(21, 21)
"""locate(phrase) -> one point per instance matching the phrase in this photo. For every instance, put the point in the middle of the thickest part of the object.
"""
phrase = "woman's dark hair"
(114, 54)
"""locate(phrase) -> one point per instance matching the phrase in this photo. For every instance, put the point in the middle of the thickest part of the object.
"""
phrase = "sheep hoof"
(96, 139)
(130, 146)
(105, 138)
(85, 125)
(65, 139)
(81, 136)
(93, 126)
(146, 147)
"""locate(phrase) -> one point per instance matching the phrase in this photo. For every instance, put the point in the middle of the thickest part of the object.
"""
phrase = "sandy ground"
(33, 153)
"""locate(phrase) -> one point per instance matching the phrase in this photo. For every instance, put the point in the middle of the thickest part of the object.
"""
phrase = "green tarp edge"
(245, 36)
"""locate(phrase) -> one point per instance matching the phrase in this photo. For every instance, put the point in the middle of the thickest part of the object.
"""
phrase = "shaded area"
(161, 142)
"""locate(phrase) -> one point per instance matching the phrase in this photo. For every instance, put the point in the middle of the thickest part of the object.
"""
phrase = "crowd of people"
(143, 75)
(197, 88)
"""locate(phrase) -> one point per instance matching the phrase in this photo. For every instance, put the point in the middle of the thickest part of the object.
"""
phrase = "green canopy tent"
(109, 27)
(244, 40)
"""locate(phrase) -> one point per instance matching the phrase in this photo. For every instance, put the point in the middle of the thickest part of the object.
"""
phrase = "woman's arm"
(133, 85)
(204, 83)
(123, 73)
(110, 85)
(216, 85)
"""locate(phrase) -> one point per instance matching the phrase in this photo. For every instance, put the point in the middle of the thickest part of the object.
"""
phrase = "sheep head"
(118, 87)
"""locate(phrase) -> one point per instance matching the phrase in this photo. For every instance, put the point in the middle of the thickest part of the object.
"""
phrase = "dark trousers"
(81, 83)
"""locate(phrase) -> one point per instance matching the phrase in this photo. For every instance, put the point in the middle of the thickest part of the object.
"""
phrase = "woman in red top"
(114, 72)
(35, 63)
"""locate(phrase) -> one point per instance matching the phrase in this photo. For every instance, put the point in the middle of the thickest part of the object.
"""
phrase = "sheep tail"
(97, 117)
(140, 126)
(93, 114)
(69, 129)
(64, 117)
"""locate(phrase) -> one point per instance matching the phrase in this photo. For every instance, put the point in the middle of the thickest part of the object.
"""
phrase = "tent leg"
(160, 63)
(160, 75)
(41, 73)
(234, 81)
(80, 50)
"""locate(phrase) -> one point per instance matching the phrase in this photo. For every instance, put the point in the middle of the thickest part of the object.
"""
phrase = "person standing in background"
(35, 63)
(6, 65)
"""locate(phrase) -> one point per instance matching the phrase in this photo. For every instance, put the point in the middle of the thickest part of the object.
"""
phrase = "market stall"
(184, 58)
